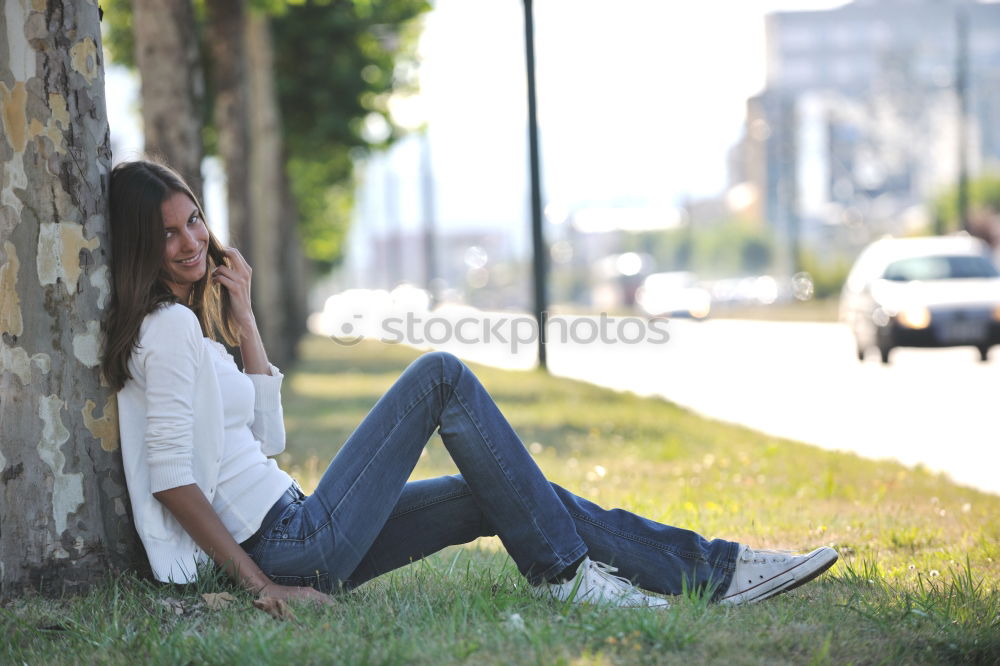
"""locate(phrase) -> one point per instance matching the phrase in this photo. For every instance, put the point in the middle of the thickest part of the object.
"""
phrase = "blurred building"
(400, 201)
(599, 255)
(857, 129)
(475, 266)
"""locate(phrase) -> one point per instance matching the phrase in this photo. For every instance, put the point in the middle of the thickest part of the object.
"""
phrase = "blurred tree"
(242, 124)
(225, 31)
(984, 209)
(337, 65)
(280, 294)
(722, 249)
(168, 57)
(827, 272)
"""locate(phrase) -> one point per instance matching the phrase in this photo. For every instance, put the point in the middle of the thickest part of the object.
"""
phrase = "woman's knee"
(444, 362)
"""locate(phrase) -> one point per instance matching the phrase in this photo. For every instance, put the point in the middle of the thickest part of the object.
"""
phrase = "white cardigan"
(170, 415)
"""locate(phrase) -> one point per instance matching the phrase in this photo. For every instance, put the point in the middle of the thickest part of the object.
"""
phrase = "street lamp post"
(961, 84)
(430, 213)
(537, 234)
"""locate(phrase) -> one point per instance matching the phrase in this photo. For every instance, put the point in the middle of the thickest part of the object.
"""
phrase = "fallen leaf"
(218, 600)
(276, 608)
(175, 606)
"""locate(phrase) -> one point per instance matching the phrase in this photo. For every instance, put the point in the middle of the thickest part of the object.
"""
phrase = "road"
(937, 408)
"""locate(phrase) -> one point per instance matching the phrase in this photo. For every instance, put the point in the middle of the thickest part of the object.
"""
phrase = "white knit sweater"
(170, 415)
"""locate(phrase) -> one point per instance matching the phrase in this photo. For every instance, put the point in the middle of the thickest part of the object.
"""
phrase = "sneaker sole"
(611, 602)
(816, 563)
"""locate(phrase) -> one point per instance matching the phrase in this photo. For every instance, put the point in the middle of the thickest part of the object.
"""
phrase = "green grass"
(917, 582)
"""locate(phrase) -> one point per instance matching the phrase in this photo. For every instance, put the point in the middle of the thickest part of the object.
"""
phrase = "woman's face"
(185, 254)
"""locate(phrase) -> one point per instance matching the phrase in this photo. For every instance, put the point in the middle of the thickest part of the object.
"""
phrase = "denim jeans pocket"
(279, 529)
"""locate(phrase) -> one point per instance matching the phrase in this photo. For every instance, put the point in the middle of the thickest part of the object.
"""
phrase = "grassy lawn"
(917, 582)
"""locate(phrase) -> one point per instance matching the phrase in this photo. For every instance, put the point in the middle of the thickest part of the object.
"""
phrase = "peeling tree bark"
(166, 53)
(64, 513)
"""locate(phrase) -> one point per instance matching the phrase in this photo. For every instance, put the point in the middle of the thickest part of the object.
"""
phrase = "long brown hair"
(138, 189)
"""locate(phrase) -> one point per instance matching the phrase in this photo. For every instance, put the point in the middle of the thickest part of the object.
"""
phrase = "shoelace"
(606, 571)
(749, 555)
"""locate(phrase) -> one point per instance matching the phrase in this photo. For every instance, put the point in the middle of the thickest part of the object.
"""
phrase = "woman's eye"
(195, 219)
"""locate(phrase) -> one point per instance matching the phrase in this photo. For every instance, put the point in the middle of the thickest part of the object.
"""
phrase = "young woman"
(196, 434)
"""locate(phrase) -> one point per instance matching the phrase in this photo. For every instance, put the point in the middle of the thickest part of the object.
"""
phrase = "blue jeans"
(364, 519)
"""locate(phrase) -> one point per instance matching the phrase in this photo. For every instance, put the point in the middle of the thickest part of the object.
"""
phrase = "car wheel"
(884, 354)
(984, 354)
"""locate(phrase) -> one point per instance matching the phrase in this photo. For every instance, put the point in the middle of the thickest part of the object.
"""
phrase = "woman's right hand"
(290, 593)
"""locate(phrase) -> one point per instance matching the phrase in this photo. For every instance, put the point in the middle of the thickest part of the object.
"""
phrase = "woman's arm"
(187, 503)
(195, 514)
(267, 426)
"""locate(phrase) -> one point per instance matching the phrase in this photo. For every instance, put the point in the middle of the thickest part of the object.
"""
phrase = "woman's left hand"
(236, 279)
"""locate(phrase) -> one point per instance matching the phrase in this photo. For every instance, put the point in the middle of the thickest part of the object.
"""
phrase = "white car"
(674, 294)
(941, 291)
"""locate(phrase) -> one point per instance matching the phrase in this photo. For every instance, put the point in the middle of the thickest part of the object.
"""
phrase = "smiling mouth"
(193, 260)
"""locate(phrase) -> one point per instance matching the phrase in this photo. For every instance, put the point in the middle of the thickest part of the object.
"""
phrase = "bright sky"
(639, 102)
(637, 99)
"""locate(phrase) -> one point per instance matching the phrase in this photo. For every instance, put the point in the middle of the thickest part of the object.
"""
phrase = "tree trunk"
(166, 53)
(296, 269)
(226, 27)
(268, 220)
(64, 516)
(227, 36)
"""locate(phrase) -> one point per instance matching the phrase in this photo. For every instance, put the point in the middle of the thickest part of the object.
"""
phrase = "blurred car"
(674, 294)
(941, 291)
(744, 291)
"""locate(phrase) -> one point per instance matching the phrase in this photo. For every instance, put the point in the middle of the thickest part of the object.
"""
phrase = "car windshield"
(940, 267)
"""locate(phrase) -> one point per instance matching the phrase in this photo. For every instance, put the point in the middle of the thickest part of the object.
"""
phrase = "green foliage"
(336, 63)
(984, 194)
(732, 244)
(724, 249)
(118, 37)
(324, 209)
(828, 275)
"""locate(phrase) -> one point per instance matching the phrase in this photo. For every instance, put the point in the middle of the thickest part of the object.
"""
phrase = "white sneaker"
(595, 584)
(764, 573)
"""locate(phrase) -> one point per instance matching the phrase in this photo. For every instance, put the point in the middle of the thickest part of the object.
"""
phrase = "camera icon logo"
(349, 333)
